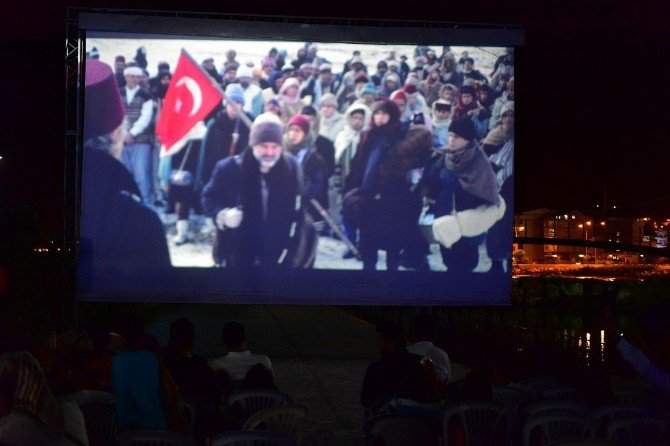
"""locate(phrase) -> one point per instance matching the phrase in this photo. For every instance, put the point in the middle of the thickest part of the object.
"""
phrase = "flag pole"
(216, 85)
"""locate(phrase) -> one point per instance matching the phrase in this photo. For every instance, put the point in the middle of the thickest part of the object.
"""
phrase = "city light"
(580, 226)
(602, 223)
(588, 223)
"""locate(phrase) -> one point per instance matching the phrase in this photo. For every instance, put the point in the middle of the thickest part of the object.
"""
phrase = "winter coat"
(285, 237)
(118, 233)
(216, 144)
(444, 188)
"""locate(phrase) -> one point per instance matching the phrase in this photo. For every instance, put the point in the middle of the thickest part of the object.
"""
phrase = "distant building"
(551, 223)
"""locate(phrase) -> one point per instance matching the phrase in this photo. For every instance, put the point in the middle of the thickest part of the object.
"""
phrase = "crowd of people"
(351, 153)
(151, 384)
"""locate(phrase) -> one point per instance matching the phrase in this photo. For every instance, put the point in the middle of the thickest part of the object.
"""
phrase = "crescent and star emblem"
(194, 89)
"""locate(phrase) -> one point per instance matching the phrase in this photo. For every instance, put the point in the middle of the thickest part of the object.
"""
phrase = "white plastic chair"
(286, 420)
(480, 421)
(511, 397)
(561, 393)
(536, 385)
(637, 431)
(154, 438)
(559, 427)
(558, 407)
(633, 396)
(400, 429)
(245, 438)
(99, 410)
(256, 400)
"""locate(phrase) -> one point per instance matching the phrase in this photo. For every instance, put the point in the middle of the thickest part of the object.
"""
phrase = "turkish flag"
(190, 97)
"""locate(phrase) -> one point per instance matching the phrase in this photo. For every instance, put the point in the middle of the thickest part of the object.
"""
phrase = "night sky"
(592, 85)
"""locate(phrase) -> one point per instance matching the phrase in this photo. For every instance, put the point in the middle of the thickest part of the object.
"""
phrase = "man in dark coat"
(119, 235)
(220, 140)
(398, 372)
(256, 201)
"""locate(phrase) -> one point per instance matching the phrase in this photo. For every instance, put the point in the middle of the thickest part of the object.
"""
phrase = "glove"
(229, 218)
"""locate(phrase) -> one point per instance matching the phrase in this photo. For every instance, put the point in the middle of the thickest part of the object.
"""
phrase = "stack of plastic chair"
(480, 421)
(561, 393)
(245, 438)
(544, 408)
(558, 427)
(638, 431)
(154, 438)
(252, 401)
(285, 420)
(606, 415)
(401, 430)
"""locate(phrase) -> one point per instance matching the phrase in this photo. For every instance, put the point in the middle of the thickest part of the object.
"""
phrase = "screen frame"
(274, 286)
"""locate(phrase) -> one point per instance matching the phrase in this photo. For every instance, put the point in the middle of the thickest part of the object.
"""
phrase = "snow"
(198, 251)
(168, 50)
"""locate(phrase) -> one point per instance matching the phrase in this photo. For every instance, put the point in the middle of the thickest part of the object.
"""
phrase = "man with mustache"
(256, 201)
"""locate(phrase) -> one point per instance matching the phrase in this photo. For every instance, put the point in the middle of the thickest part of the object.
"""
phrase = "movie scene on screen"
(318, 155)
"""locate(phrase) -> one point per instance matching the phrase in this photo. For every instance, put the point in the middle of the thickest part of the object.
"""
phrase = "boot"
(182, 231)
(484, 263)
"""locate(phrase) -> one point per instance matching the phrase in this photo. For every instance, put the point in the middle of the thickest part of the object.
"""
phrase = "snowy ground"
(198, 252)
(168, 50)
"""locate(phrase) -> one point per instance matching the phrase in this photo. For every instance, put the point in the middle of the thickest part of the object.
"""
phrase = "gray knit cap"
(266, 128)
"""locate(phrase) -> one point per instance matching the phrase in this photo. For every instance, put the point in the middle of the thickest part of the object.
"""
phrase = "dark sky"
(592, 85)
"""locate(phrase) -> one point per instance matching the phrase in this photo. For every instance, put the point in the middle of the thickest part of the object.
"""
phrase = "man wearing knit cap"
(136, 154)
(118, 233)
(255, 200)
(467, 200)
(226, 135)
(323, 145)
(299, 141)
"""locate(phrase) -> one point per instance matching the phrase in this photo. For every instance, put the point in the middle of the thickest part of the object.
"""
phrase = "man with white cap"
(256, 201)
(250, 91)
(136, 155)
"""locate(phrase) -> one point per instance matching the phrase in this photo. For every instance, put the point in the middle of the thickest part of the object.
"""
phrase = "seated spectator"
(424, 331)
(140, 381)
(239, 360)
(190, 372)
(30, 414)
(398, 372)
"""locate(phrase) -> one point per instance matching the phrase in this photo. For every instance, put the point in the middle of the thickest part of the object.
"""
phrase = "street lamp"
(586, 236)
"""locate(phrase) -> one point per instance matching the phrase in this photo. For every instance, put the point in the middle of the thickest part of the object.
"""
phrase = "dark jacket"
(237, 181)
(216, 144)
(315, 180)
(118, 232)
(326, 149)
(396, 373)
(443, 186)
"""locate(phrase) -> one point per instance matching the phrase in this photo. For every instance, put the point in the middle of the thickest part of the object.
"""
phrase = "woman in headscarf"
(29, 411)
(289, 99)
(379, 197)
(466, 102)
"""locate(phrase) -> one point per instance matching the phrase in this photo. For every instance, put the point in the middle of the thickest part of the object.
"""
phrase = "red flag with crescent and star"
(190, 97)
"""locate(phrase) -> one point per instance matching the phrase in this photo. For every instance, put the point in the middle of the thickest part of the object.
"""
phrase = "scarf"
(499, 135)
(307, 141)
(474, 172)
